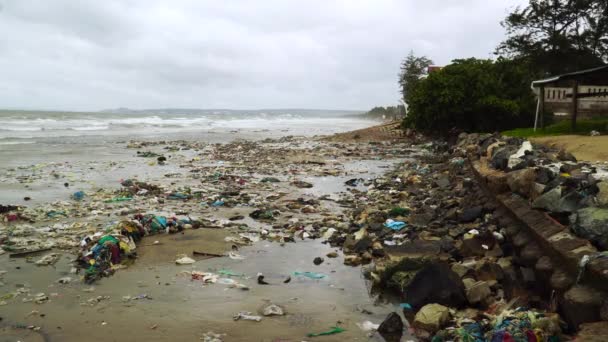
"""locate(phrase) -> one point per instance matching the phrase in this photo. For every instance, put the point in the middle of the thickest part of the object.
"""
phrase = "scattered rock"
(549, 201)
(391, 329)
(592, 224)
(471, 214)
(436, 283)
(477, 292)
(602, 195)
(432, 317)
(564, 155)
(581, 305)
(318, 261)
(522, 181)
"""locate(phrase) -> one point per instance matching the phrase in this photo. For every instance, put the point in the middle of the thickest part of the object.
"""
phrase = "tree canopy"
(387, 112)
(558, 36)
(475, 95)
(412, 69)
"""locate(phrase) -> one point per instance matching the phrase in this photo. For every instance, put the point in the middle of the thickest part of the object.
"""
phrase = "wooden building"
(570, 96)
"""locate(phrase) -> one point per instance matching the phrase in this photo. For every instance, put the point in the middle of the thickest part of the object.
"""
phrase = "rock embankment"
(487, 238)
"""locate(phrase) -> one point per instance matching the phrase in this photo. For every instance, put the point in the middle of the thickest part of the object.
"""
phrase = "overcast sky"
(98, 54)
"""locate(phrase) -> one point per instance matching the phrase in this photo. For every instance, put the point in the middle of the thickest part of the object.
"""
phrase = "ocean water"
(28, 138)
(20, 127)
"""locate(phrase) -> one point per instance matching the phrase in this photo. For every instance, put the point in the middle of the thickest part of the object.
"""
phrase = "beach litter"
(247, 316)
(332, 331)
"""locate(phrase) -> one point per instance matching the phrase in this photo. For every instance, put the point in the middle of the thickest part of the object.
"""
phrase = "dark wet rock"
(391, 329)
(260, 214)
(563, 155)
(462, 270)
(377, 216)
(236, 217)
(500, 158)
(270, 180)
(377, 249)
(447, 244)
(489, 271)
(332, 255)
(536, 191)
(354, 182)
(302, 184)
(592, 224)
(471, 247)
(602, 193)
(570, 202)
(581, 304)
(230, 192)
(530, 254)
(544, 175)
(436, 283)
(357, 246)
(352, 260)
(471, 214)
(593, 332)
(567, 168)
(7, 208)
(561, 280)
(261, 280)
(544, 264)
(527, 275)
(318, 261)
(477, 291)
(443, 182)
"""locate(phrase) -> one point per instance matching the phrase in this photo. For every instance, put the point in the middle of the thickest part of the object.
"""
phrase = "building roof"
(571, 76)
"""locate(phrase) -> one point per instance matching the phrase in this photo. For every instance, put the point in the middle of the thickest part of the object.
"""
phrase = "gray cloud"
(91, 54)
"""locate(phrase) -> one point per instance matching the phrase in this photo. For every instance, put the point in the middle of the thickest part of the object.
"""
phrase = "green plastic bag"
(334, 330)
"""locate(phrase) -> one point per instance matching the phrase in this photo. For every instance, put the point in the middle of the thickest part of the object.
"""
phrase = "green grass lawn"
(583, 127)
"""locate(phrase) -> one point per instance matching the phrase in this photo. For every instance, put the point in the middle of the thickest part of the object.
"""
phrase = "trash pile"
(103, 253)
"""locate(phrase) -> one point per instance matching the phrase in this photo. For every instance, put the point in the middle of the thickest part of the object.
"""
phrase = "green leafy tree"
(385, 112)
(413, 68)
(558, 36)
(473, 95)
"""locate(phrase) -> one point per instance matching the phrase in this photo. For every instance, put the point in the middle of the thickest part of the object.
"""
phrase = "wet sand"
(184, 309)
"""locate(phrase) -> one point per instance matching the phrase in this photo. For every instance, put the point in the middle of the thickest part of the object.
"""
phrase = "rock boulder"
(592, 224)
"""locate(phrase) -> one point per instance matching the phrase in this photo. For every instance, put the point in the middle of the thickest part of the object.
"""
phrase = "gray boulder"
(436, 283)
(602, 195)
(592, 224)
(500, 158)
(549, 200)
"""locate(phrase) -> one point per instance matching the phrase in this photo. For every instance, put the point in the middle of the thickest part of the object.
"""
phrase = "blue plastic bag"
(395, 225)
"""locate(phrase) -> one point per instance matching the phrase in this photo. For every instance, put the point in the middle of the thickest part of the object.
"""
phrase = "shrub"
(473, 95)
